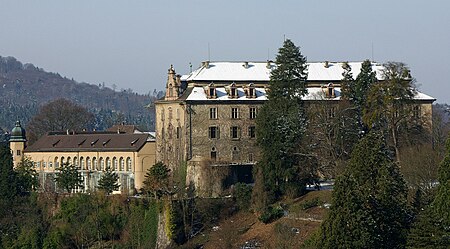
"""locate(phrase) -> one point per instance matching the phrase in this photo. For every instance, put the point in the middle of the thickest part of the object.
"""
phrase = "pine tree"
(108, 181)
(369, 201)
(356, 90)
(281, 124)
(68, 177)
(8, 189)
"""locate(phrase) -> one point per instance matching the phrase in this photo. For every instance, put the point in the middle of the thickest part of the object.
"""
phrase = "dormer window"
(233, 93)
(250, 91)
(329, 91)
(211, 91)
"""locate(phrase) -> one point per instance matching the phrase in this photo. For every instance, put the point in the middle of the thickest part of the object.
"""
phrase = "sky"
(132, 43)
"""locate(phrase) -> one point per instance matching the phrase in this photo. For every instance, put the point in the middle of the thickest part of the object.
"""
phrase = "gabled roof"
(260, 71)
(94, 141)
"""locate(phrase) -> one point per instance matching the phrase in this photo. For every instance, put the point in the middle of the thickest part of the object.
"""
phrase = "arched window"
(95, 163)
(102, 163)
(69, 160)
(62, 161)
(115, 163)
(88, 163)
(82, 163)
(122, 164)
(170, 113)
(213, 154)
(56, 162)
(108, 163)
(235, 154)
(128, 164)
(75, 161)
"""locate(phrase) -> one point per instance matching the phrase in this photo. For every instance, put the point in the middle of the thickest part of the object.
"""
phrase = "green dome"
(18, 133)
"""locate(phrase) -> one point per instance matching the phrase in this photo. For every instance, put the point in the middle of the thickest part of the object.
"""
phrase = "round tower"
(17, 143)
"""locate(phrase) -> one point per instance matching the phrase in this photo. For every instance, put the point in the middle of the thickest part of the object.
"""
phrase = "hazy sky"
(132, 43)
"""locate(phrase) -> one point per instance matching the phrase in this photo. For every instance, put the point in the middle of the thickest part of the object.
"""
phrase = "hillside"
(25, 87)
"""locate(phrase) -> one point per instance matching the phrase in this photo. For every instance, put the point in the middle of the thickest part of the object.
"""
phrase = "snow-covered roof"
(260, 71)
(314, 93)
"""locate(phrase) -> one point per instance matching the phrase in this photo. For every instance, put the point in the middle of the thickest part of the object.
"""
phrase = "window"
(178, 132)
(128, 164)
(122, 164)
(235, 154)
(250, 157)
(102, 164)
(252, 131)
(88, 163)
(95, 164)
(331, 112)
(44, 165)
(178, 113)
(82, 163)
(75, 161)
(213, 113)
(50, 164)
(170, 113)
(115, 163)
(252, 112)
(234, 113)
(108, 163)
(213, 132)
(234, 132)
(233, 91)
(213, 154)
(18, 152)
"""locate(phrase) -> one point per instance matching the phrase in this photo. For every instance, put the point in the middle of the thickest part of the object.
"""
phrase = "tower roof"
(18, 133)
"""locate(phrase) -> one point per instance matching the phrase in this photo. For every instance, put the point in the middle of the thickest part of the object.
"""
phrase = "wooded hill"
(25, 87)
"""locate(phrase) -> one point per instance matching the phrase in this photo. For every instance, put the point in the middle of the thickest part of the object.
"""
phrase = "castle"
(205, 125)
(207, 117)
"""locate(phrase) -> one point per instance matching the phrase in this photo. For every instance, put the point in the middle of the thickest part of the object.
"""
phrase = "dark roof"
(94, 141)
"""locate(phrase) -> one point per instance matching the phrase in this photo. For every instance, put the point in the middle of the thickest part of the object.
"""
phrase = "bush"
(242, 194)
(311, 203)
(271, 214)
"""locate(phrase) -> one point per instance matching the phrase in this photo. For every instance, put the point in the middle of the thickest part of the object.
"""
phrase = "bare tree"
(58, 115)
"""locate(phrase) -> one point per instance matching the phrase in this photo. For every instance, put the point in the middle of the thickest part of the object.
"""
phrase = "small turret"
(17, 143)
(173, 85)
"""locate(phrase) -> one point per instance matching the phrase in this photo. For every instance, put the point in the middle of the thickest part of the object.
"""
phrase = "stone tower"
(17, 143)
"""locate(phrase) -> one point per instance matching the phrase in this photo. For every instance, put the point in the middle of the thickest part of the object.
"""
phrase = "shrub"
(271, 214)
(242, 195)
(311, 203)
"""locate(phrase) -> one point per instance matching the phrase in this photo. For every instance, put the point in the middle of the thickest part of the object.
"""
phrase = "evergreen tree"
(8, 189)
(356, 91)
(108, 181)
(27, 177)
(369, 201)
(68, 177)
(157, 180)
(281, 124)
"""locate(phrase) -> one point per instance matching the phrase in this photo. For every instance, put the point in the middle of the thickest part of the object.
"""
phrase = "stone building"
(124, 149)
(207, 118)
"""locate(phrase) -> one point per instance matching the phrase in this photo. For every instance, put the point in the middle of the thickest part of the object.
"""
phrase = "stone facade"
(207, 119)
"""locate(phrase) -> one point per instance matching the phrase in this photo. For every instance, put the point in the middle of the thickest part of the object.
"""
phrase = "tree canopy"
(108, 181)
(280, 125)
(68, 177)
(59, 115)
(369, 208)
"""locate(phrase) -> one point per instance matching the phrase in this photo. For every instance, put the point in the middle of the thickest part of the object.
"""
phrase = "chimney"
(206, 64)
(268, 66)
(245, 64)
(326, 64)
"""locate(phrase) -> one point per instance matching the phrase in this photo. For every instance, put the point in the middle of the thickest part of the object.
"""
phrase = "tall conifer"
(369, 201)
(281, 124)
